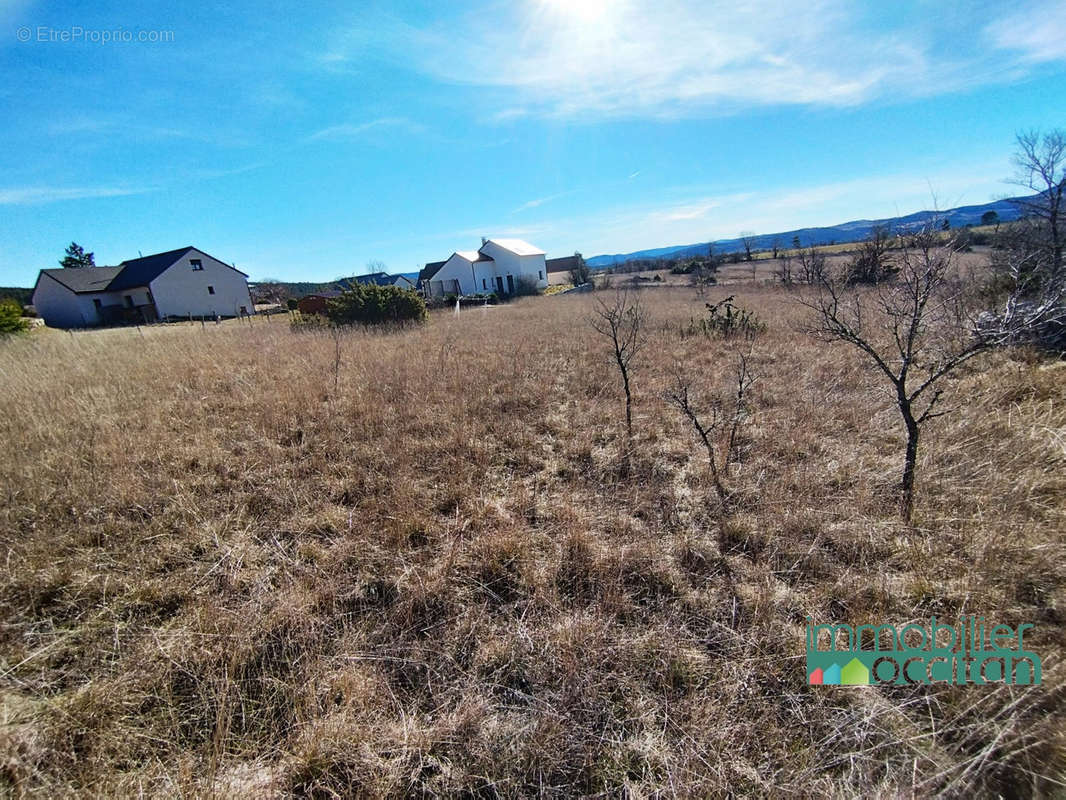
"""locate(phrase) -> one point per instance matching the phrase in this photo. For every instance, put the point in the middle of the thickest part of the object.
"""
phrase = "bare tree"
(1028, 288)
(812, 265)
(1027, 295)
(704, 273)
(872, 263)
(623, 322)
(784, 271)
(1040, 161)
(747, 240)
(916, 329)
(580, 274)
(775, 246)
(718, 433)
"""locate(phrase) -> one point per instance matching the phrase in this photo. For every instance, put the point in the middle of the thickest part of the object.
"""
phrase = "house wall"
(59, 307)
(479, 277)
(62, 308)
(180, 291)
(140, 297)
(508, 263)
(456, 274)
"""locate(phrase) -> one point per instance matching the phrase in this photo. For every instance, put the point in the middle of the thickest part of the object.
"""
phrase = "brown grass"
(223, 578)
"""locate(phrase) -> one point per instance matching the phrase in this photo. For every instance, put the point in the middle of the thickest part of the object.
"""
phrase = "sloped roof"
(473, 255)
(127, 275)
(430, 269)
(518, 247)
(84, 279)
(142, 271)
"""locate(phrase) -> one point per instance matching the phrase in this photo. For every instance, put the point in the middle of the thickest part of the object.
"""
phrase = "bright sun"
(585, 10)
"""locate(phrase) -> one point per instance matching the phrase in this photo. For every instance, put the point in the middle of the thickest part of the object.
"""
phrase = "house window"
(244, 310)
(97, 304)
(129, 300)
(197, 264)
(210, 289)
(484, 284)
(540, 274)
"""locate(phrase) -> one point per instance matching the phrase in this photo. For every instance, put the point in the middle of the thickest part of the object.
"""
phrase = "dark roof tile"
(127, 275)
(84, 279)
(431, 269)
(564, 264)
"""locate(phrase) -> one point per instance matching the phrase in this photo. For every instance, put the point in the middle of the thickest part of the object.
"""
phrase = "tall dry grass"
(225, 577)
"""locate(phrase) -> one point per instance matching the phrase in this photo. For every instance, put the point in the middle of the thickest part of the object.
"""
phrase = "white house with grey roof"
(177, 284)
(500, 266)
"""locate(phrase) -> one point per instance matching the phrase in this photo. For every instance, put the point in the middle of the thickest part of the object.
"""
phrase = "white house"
(176, 284)
(500, 266)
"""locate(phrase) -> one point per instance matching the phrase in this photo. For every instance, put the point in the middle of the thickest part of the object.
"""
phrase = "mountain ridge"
(856, 230)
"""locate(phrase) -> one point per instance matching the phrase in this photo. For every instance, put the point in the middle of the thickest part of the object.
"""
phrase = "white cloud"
(34, 195)
(348, 131)
(539, 201)
(1038, 32)
(668, 58)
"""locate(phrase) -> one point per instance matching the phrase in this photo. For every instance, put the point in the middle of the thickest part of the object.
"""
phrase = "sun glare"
(584, 10)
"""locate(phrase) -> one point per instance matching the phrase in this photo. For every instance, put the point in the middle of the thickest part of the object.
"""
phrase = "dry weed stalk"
(622, 321)
(719, 434)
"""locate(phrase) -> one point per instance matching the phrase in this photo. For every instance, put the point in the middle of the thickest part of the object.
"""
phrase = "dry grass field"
(250, 562)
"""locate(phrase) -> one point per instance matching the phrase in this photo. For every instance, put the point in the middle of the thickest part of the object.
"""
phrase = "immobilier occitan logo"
(968, 652)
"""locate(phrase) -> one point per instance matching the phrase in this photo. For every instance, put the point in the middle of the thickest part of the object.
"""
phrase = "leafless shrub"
(873, 263)
(1028, 284)
(726, 320)
(1040, 163)
(811, 265)
(718, 427)
(915, 329)
(784, 271)
(622, 321)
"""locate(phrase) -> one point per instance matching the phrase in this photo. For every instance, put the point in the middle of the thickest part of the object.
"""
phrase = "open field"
(764, 269)
(249, 562)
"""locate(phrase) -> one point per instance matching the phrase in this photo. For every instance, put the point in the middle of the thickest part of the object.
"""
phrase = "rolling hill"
(854, 231)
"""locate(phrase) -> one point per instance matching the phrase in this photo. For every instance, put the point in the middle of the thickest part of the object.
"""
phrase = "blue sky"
(302, 141)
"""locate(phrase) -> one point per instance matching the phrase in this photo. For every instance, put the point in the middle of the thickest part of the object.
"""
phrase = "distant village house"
(177, 284)
(559, 269)
(500, 266)
(315, 303)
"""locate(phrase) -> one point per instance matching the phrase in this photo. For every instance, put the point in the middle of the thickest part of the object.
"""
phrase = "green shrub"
(726, 320)
(526, 287)
(370, 304)
(11, 320)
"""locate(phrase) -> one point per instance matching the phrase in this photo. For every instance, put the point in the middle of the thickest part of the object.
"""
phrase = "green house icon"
(855, 674)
